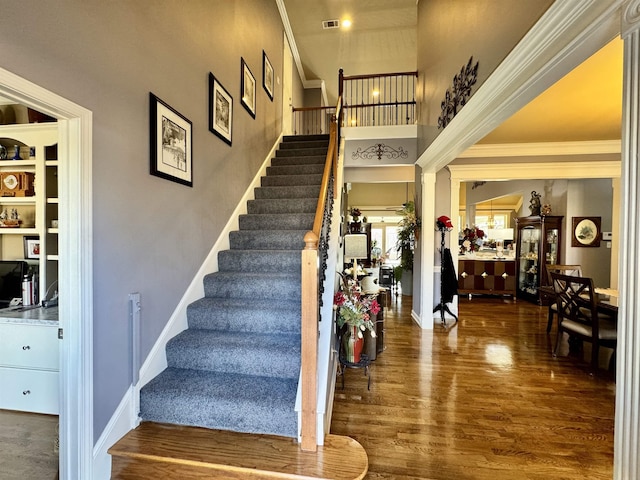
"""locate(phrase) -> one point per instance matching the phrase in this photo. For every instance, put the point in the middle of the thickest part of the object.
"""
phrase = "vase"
(352, 345)
(17, 156)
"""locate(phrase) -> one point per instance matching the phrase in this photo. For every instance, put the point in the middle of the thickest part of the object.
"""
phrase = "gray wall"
(449, 33)
(150, 235)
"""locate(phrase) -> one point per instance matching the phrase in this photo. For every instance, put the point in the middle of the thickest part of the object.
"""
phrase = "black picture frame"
(267, 76)
(170, 143)
(220, 110)
(247, 88)
(31, 247)
(586, 231)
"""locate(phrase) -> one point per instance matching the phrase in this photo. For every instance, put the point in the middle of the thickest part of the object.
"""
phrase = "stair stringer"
(125, 418)
(327, 353)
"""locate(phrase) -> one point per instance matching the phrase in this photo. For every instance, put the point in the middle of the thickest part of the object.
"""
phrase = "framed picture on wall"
(248, 89)
(170, 143)
(220, 110)
(267, 75)
(31, 247)
(586, 232)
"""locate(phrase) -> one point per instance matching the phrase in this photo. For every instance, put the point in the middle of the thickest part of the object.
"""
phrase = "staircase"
(235, 370)
(236, 367)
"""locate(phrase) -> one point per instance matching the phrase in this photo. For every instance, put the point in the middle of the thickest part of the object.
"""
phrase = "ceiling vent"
(327, 24)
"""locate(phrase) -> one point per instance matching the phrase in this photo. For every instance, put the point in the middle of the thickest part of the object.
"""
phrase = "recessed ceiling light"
(346, 23)
(375, 93)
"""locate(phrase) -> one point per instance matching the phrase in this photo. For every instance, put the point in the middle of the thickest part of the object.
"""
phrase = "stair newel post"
(309, 352)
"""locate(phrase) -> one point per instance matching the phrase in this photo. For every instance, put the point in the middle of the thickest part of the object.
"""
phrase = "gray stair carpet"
(237, 364)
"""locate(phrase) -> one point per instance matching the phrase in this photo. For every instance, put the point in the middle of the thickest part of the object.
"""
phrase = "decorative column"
(627, 424)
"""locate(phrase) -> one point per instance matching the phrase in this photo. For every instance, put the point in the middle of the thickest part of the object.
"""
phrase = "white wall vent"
(327, 24)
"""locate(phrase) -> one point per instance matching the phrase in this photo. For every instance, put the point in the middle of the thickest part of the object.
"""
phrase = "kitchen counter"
(30, 315)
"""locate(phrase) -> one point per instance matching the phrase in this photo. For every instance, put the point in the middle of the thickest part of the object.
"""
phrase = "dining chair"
(574, 270)
(578, 315)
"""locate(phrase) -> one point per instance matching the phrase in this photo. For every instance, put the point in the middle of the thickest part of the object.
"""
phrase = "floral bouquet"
(354, 309)
(472, 238)
(355, 213)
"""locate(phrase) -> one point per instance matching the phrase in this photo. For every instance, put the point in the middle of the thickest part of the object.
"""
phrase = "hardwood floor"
(484, 399)
(27, 446)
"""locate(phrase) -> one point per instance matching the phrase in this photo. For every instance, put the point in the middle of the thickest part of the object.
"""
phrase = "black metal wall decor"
(457, 95)
(379, 150)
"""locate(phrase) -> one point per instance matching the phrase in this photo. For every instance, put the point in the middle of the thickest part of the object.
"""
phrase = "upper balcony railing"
(382, 99)
(378, 100)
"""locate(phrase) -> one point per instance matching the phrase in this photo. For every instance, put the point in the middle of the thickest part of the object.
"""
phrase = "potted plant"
(407, 234)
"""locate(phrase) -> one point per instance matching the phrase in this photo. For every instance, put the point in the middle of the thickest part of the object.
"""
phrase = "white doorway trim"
(75, 278)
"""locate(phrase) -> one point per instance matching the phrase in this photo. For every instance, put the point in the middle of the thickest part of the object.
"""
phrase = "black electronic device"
(11, 274)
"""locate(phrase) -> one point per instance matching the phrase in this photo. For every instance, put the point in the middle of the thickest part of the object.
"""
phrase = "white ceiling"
(381, 39)
(585, 105)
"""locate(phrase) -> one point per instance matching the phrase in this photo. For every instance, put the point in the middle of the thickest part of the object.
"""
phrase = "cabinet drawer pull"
(26, 347)
(26, 392)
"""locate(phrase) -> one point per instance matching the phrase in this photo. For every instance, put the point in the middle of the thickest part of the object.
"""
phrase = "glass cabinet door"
(529, 252)
(551, 250)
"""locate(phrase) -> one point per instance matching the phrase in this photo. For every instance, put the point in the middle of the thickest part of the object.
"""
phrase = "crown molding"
(296, 54)
(501, 171)
(543, 149)
(291, 39)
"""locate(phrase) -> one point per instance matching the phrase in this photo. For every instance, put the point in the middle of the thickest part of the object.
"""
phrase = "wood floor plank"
(154, 451)
(482, 400)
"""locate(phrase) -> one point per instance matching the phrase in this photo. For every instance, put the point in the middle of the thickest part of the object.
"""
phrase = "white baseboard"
(125, 418)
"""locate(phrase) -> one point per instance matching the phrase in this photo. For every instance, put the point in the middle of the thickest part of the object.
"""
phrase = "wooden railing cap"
(311, 240)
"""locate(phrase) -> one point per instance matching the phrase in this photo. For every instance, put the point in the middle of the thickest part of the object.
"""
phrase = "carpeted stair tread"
(299, 138)
(240, 403)
(267, 239)
(298, 152)
(236, 314)
(284, 180)
(290, 192)
(282, 205)
(252, 285)
(306, 160)
(259, 261)
(313, 169)
(277, 221)
(324, 144)
(270, 355)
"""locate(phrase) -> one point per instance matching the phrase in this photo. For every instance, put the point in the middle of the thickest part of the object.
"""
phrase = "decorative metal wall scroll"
(379, 150)
(457, 95)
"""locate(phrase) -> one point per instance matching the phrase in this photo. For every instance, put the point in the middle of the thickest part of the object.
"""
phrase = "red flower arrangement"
(354, 308)
(472, 238)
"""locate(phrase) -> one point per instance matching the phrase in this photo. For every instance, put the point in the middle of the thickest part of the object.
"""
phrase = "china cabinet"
(538, 243)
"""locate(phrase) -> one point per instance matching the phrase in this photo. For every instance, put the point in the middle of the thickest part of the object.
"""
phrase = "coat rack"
(448, 279)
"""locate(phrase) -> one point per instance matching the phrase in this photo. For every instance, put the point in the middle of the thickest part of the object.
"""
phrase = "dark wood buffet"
(486, 276)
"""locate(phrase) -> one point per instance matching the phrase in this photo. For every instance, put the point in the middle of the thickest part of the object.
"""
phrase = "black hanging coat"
(449, 279)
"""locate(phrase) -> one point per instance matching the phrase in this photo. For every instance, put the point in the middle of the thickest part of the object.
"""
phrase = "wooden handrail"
(309, 301)
(377, 75)
(309, 109)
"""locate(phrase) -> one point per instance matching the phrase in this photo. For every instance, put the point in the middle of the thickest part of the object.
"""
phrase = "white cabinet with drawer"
(29, 362)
